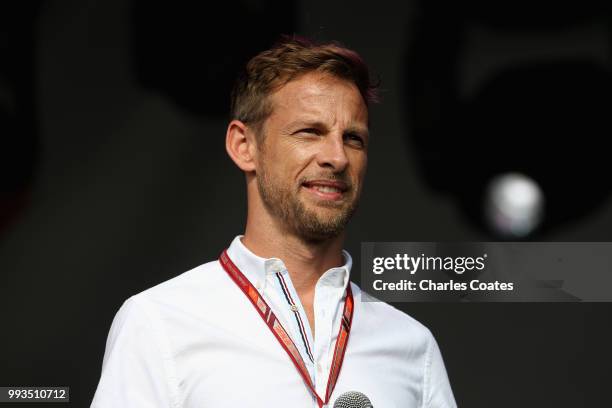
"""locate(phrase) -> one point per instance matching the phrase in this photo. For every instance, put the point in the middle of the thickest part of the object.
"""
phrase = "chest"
(250, 369)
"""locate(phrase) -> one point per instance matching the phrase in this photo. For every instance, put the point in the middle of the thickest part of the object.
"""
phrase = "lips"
(326, 189)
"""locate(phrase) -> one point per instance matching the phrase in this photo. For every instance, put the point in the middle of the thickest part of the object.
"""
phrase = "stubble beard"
(286, 206)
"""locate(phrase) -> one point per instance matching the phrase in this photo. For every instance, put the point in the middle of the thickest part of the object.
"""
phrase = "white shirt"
(196, 341)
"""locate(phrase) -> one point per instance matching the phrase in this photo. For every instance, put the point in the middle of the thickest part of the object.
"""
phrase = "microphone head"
(352, 399)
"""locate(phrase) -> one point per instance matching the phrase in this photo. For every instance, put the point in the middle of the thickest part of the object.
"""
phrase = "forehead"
(321, 96)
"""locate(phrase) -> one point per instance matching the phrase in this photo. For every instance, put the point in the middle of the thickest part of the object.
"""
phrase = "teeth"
(326, 189)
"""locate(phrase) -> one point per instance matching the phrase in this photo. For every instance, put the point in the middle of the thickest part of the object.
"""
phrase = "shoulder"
(172, 307)
(193, 280)
(193, 290)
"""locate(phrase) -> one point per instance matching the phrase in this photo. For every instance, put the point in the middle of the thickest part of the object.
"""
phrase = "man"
(275, 321)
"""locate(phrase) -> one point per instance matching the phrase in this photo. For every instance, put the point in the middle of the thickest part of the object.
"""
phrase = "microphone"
(353, 399)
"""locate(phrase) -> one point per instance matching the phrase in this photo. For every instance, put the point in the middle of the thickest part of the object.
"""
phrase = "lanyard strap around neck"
(281, 334)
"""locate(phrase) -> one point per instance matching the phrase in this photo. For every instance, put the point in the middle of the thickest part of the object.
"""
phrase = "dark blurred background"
(114, 175)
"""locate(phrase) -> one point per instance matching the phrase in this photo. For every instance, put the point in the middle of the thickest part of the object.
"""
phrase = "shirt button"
(294, 308)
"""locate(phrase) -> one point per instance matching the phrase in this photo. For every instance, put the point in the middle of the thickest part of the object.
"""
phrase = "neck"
(305, 260)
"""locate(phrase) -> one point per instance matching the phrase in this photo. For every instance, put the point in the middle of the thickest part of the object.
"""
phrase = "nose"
(332, 153)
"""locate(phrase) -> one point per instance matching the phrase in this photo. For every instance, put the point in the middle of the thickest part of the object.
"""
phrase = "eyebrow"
(363, 131)
(358, 130)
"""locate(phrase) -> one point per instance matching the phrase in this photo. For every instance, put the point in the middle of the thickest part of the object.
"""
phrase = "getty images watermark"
(487, 271)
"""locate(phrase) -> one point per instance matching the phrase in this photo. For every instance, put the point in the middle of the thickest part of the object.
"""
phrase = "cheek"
(295, 158)
(285, 166)
(360, 164)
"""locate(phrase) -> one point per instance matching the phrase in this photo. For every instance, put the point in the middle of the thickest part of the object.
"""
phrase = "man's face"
(313, 156)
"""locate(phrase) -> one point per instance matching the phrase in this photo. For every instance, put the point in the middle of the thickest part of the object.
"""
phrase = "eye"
(312, 131)
(354, 139)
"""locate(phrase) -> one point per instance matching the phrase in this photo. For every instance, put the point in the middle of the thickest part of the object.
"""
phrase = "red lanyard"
(281, 335)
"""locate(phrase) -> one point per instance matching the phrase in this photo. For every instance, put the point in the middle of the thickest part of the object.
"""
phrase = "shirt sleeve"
(438, 392)
(137, 369)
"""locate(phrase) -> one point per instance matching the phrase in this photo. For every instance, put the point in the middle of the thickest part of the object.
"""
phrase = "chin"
(324, 227)
(327, 207)
(320, 236)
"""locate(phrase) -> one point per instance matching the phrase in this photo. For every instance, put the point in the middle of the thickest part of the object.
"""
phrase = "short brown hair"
(287, 60)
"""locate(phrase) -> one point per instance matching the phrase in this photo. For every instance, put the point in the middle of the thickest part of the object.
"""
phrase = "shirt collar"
(256, 268)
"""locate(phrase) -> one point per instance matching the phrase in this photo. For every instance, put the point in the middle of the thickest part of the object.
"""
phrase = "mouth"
(326, 189)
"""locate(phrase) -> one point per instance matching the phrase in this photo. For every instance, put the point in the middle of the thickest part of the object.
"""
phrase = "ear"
(241, 145)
